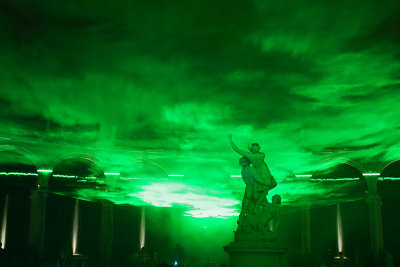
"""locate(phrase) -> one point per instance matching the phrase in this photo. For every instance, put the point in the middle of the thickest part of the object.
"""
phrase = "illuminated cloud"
(176, 78)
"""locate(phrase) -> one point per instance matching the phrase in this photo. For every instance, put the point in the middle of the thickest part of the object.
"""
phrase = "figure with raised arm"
(258, 219)
(259, 170)
(252, 194)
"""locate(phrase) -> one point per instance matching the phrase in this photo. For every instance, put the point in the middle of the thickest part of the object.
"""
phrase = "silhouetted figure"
(259, 169)
(178, 256)
(388, 259)
(64, 257)
(356, 258)
(329, 257)
(145, 257)
(2, 255)
(210, 264)
(396, 258)
(341, 260)
(135, 258)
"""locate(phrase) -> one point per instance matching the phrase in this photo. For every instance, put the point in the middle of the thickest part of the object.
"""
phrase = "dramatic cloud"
(300, 78)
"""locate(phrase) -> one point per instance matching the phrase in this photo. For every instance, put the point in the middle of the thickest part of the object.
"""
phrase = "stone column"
(106, 233)
(374, 202)
(37, 221)
(305, 226)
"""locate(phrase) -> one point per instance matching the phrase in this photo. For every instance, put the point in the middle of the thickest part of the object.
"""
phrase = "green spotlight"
(19, 173)
(389, 178)
(64, 176)
(371, 174)
(334, 179)
(48, 171)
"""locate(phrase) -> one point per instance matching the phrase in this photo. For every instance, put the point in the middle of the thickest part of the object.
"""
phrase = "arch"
(82, 156)
(389, 159)
(165, 168)
(74, 172)
(387, 167)
(386, 164)
(216, 169)
(35, 160)
(342, 180)
(335, 161)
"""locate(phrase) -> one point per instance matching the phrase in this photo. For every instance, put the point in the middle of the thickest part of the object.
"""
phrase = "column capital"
(373, 198)
(43, 179)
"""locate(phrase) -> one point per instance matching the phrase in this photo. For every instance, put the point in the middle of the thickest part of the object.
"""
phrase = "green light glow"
(112, 173)
(48, 171)
(65, 176)
(318, 83)
(371, 174)
(200, 205)
(19, 173)
(199, 201)
(94, 180)
(138, 178)
(83, 180)
(389, 178)
(333, 179)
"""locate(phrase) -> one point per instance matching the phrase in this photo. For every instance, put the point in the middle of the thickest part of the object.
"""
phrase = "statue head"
(276, 199)
(244, 161)
(254, 148)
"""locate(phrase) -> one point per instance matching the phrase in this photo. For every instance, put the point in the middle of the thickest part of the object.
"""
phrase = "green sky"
(299, 77)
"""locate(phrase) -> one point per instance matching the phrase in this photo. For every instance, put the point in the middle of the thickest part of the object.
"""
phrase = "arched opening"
(73, 216)
(130, 232)
(388, 190)
(18, 178)
(340, 218)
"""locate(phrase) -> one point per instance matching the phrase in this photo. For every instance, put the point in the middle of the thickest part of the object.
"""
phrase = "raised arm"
(239, 151)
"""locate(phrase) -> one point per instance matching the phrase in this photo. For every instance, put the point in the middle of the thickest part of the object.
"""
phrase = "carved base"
(254, 236)
(256, 254)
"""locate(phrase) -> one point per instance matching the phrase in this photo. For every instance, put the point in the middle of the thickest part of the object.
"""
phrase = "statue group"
(259, 218)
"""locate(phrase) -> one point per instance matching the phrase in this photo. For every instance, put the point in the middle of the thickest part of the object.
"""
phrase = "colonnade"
(37, 221)
(375, 219)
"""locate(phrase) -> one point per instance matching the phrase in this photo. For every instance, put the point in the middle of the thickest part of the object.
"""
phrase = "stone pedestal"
(256, 254)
